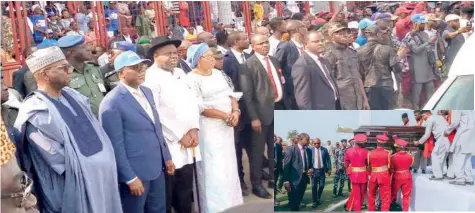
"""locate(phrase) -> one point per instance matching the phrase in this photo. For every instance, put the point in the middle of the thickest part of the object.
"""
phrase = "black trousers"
(242, 138)
(380, 98)
(179, 190)
(258, 142)
(318, 183)
(296, 193)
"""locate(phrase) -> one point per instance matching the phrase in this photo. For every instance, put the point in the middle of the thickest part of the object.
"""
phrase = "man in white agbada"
(437, 125)
(62, 145)
(462, 146)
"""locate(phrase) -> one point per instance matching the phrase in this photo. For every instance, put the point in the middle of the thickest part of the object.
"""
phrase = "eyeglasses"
(26, 187)
(208, 56)
(64, 67)
(139, 67)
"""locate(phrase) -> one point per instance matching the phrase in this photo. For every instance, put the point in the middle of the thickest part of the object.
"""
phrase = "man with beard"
(345, 70)
(377, 60)
(62, 143)
(454, 38)
(423, 73)
(86, 77)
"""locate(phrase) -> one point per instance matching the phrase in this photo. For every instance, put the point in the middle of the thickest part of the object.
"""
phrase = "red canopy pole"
(21, 27)
(332, 6)
(278, 7)
(207, 25)
(307, 7)
(27, 35)
(247, 17)
(14, 22)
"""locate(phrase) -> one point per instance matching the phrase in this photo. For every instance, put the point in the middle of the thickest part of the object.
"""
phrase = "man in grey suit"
(437, 125)
(314, 86)
(297, 170)
(462, 146)
(260, 81)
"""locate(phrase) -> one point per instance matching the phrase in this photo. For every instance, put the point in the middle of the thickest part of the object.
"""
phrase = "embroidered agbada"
(84, 179)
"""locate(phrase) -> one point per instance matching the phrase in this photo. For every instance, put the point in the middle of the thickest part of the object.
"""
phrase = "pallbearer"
(379, 160)
(356, 158)
(401, 163)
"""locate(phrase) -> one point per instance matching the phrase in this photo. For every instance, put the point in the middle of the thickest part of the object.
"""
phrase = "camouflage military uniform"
(89, 83)
(340, 176)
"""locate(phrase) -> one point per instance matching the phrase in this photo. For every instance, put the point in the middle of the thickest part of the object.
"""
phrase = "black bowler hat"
(161, 41)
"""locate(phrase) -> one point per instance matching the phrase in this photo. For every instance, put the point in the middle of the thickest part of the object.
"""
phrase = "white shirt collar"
(313, 56)
(259, 56)
(130, 89)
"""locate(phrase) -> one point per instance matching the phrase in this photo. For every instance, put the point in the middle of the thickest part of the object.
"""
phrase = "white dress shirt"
(299, 46)
(275, 75)
(317, 60)
(315, 161)
(273, 42)
(239, 56)
(178, 109)
(141, 99)
(222, 49)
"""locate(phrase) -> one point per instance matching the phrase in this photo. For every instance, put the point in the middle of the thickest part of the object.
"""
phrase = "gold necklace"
(208, 73)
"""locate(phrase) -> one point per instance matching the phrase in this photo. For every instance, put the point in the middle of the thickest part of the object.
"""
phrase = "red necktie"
(271, 78)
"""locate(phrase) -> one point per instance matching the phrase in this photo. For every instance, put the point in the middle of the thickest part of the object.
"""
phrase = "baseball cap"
(418, 18)
(335, 28)
(452, 17)
(127, 59)
(365, 23)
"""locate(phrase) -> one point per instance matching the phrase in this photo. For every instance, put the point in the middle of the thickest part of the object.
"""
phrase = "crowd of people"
(377, 175)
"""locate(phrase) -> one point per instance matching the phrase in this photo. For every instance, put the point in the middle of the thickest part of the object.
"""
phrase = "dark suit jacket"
(326, 160)
(278, 156)
(19, 80)
(287, 53)
(293, 164)
(231, 67)
(258, 93)
(184, 66)
(311, 87)
(139, 145)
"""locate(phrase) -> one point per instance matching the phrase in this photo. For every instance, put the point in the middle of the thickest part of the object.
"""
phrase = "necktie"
(271, 77)
(304, 160)
(243, 58)
(319, 163)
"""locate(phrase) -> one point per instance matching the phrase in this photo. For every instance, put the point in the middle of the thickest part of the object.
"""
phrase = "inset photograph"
(396, 160)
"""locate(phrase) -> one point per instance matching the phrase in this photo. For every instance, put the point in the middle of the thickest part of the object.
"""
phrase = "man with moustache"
(261, 83)
(422, 70)
(130, 119)
(62, 143)
(377, 60)
(314, 86)
(345, 69)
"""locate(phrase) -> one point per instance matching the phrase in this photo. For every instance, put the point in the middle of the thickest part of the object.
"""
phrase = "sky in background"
(324, 123)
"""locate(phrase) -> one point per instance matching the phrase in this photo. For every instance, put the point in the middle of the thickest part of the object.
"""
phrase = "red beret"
(360, 138)
(382, 138)
(401, 142)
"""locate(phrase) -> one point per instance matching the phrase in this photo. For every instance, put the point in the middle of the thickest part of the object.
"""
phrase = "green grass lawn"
(327, 199)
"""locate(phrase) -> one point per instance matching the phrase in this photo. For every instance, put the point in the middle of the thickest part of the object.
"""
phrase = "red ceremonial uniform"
(402, 177)
(379, 160)
(356, 158)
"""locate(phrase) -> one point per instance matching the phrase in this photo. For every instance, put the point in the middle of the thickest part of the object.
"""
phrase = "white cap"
(451, 17)
(44, 57)
(353, 25)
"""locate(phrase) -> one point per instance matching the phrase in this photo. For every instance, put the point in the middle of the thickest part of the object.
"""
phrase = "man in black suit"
(314, 86)
(260, 81)
(278, 163)
(297, 170)
(321, 165)
(233, 58)
(19, 83)
(288, 53)
(182, 49)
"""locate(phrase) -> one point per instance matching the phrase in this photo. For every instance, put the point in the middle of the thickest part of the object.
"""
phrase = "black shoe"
(423, 171)
(469, 183)
(243, 185)
(434, 178)
(261, 192)
(270, 185)
(266, 176)
(334, 195)
(449, 178)
(414, 171)
(341, 194)
(457, 183)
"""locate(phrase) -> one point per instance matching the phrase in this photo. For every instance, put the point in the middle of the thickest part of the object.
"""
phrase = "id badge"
(102, 88)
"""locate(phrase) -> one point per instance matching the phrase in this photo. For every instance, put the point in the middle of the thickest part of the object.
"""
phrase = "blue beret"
(47, 43)
(124, 46)
(70, 41)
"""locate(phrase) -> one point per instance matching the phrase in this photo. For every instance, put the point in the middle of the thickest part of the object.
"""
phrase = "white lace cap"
(44, 57)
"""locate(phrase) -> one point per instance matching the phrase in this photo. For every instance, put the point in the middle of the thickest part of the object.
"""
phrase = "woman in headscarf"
(218, 181)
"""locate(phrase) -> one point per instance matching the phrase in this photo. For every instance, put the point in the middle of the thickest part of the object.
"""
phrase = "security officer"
(356, 162)
(379, 160)
(340, 173)
(111, 78)
(401, 163)
(86, 77)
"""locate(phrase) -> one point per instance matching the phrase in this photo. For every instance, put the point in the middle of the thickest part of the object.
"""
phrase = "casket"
(407, 133)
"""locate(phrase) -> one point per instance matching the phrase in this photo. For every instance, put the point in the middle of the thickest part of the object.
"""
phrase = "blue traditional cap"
(124, 46)
(127, 59)
(195, 52)
(418, 18)
(364, 23)
(47, 43)
(71, 41)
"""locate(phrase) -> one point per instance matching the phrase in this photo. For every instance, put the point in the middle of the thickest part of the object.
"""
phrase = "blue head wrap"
(195, 52)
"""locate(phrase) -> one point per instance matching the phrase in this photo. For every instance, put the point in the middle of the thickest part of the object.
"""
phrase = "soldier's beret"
(382, 138)
(360, 138)
(401, 143)
(71, 41)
